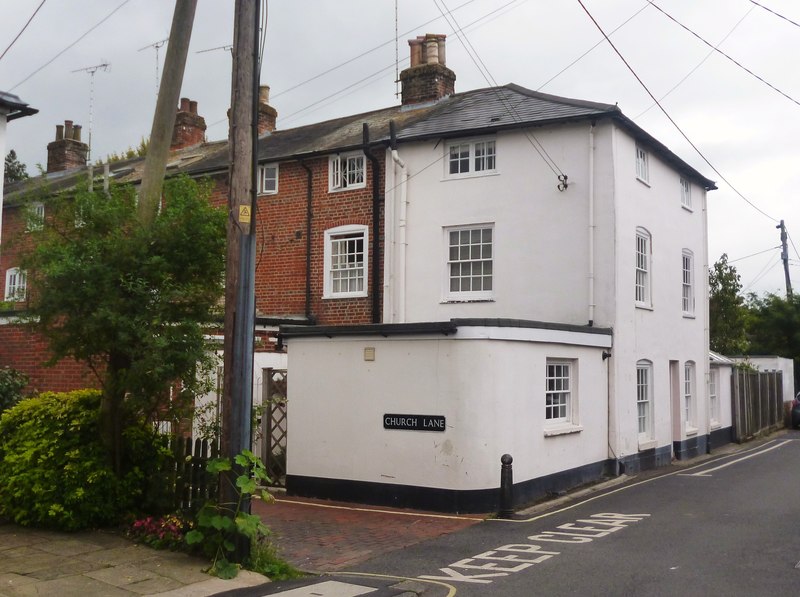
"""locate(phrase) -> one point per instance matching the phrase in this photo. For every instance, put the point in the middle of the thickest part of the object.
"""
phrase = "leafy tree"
(727, 311)
(774, 325)
(131, 302)
(14, 169)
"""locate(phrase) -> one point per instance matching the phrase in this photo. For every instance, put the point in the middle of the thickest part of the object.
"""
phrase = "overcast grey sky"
(325, 59)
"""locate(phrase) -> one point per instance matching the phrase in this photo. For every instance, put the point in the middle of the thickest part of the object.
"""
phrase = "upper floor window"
(35, 216)
(643, 247)
(644, 398)
(347, 171)
(268, 179)
(469, 262)
(642, 165)
(687, 286)
(16, 284)
(471, 157)
(346, 250)
(686, 193)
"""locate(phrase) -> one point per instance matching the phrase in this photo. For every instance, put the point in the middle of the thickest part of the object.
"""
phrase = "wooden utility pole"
(155, 162)
(785, 258)
(237, 396)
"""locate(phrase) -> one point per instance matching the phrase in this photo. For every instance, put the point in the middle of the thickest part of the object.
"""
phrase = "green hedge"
(55, 472)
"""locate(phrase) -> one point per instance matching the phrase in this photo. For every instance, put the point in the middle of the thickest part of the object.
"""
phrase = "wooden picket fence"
(193, 484)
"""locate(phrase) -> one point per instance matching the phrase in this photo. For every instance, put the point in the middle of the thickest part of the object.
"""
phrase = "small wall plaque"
(414, 422)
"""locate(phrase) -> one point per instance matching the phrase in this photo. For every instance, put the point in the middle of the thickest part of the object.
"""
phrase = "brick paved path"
(322, 536)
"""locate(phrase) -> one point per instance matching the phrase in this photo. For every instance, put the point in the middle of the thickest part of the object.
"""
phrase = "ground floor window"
(559, 391)
(644, 398)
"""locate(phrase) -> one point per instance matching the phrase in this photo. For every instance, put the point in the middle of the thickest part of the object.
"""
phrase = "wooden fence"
(193, 485)
(757, 403)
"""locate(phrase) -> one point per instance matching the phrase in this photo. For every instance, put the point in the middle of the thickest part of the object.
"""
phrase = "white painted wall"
(490, 390)
(724, 395)
(541, 234)
(661, 334)
(774, 363)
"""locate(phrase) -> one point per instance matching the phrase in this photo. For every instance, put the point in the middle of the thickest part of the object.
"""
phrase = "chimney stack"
(190, 128)
(67, 151)
(267, 115)
(427, 79)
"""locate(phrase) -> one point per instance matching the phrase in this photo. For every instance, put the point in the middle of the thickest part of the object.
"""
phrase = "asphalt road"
(729, 526)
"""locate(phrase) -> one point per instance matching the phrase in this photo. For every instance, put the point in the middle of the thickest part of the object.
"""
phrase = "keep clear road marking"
(705, 473)
(330, 588)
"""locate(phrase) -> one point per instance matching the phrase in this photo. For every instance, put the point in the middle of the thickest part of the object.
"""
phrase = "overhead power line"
(699, 64)
(780, 16)
(95, 26)
(675, 124)
(716, 49)
(21, 31)
(754, 254)
(487, 75)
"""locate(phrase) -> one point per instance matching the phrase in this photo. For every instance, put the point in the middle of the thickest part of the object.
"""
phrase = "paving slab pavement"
(101, 564)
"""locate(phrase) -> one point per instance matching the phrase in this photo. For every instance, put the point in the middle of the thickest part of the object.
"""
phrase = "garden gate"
(274, 424)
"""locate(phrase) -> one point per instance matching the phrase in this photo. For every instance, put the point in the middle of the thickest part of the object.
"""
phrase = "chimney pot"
(193, 107)
(76, 132)
(263, 94)
(184, 104)
(416, 52)
(67, 151)
(432, 50)
(59, 132)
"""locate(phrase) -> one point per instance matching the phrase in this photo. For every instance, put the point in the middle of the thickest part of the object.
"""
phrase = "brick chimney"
(190, 128)
(427, 79)
(267, 115)
(67, 151)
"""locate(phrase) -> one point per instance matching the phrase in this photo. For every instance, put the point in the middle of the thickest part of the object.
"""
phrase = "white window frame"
(477, 157)
(35, 217)
(16, 285)
(484, 259)
(360, 272)
(713, 396)
(268, 179)
(644, 400)
(689, 397)
(642, 164)
(347, 171)
(561, 396)
(643, 268)
(686, 194)
(687, 283)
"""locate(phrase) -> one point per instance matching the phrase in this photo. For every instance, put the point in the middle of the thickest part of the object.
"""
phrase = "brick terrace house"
(466, 275)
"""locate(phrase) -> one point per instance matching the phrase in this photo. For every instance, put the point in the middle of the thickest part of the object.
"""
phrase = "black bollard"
(506, 487)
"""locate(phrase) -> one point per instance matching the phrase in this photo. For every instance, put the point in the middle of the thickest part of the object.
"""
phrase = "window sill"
(689, 316)
(348, 188)
(687, 208)
(564, 429)
(267, 193)
(644, 307)
(329, 297)
(691, 431)
(465, 300)
(464, 175)
(643, 181)
(647, 445)
(715, 425)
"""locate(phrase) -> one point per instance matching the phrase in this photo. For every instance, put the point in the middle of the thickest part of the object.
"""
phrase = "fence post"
(506, 487)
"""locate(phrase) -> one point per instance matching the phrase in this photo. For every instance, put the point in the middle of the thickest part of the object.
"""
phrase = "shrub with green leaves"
(12, 382)
(55, 471)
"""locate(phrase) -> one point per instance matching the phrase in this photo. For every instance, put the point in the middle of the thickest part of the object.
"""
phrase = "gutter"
(309, 216)
(376, 226)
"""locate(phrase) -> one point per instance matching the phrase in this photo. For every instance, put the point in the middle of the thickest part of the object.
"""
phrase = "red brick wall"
(281, 242)
(27, 352)
(280, 263)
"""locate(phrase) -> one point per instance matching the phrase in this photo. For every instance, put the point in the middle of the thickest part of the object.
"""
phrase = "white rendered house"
(545, 295)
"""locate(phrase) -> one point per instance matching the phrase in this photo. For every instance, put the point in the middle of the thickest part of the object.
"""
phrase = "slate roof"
(16, 107)
(481, 111)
